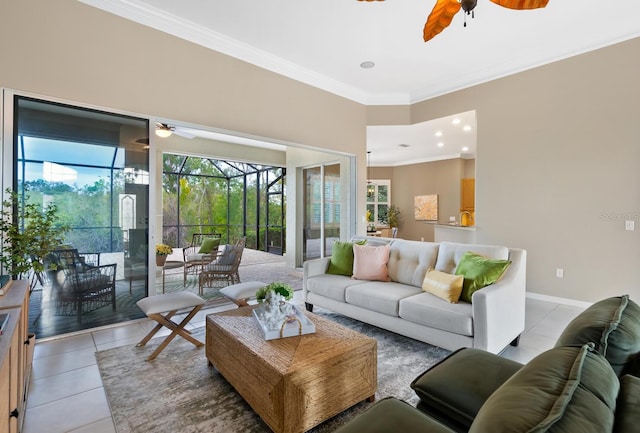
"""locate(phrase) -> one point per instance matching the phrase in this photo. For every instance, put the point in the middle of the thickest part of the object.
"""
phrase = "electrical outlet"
(560, 273)
(630, 225)
(452, 219)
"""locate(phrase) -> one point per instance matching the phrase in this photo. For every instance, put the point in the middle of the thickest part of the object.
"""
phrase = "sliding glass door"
(94, 166)
(322, 209)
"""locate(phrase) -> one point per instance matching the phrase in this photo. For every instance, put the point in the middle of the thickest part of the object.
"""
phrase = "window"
(84, 161)
(378, 202)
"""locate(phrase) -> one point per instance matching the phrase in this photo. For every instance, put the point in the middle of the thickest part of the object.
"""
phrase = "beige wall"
(70, 50)
(408, 181)
(557, 169)
(558, 146)
(77, 53)
(469, 168)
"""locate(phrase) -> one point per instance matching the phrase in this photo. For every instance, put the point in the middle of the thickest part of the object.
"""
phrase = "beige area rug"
(179, 392)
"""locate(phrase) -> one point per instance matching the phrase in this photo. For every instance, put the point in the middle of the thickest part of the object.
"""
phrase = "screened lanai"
(234, 199)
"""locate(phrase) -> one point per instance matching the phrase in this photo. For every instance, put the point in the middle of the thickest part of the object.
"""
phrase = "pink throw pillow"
(370, 263)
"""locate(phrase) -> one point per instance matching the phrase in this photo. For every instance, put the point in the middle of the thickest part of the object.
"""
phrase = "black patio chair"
(77, 287)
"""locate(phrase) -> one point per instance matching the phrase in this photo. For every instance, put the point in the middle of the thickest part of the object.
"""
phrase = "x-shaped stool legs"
(154, 306)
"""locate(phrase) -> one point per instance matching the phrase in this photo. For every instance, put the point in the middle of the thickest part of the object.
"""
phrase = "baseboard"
(558, 300)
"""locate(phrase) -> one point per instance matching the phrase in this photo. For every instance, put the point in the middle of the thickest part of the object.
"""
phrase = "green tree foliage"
(29, 233)
(91, 212)
(219, 196)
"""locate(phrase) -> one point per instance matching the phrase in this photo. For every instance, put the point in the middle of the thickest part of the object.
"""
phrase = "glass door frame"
(7, 116)
(345, 204)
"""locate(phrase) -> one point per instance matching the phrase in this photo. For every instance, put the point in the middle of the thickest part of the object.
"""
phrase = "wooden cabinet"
(468, 195)
(10, 372)
(16, 354)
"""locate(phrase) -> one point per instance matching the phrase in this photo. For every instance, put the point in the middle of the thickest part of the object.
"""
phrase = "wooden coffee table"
(293, 383)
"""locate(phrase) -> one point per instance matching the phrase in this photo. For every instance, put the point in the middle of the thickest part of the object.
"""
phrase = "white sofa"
(493, 320)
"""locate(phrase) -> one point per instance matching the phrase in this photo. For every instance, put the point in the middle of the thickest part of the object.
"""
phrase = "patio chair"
(202, 251)
(76, 287)
(36, 277)
(224, 268)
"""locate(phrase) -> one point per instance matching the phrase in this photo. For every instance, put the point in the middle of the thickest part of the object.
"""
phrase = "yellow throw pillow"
(443, 285)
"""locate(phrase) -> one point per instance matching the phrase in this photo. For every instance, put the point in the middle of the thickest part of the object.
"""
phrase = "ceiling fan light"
(162, 132)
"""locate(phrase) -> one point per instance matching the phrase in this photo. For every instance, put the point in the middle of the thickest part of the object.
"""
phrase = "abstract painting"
(426, 207)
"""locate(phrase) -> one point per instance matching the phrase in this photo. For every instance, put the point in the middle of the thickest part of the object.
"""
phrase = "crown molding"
(155, 18)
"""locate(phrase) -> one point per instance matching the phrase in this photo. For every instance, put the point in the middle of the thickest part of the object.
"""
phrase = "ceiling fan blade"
(521, 4)
(182, 133)
(440, 17)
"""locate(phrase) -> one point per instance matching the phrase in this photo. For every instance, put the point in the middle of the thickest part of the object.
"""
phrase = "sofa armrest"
(315, 267)
(499, 309)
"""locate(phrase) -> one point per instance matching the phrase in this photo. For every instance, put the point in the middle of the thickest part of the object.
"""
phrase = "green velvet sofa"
(588, 383)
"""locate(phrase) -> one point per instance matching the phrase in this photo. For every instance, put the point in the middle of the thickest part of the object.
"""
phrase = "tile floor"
(66, 393)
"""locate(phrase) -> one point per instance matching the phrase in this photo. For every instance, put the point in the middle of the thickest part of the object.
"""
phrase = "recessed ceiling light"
(441, 144)
(367, 65)
(439, 134)
(465, 149)
(467, 128)
(456, 121)
(403, 145)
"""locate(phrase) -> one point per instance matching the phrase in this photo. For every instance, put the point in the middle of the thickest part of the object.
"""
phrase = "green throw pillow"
(209, 245)
(342, 258)
(478, 272)
(613, 324)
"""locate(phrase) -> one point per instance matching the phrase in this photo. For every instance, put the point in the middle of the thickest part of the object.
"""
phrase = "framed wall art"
(426, 207)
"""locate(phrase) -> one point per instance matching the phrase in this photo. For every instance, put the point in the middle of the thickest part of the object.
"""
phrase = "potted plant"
(394, 216)
(29, 233)
(162, 251)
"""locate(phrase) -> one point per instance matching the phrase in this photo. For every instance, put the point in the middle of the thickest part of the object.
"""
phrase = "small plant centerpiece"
(274, 311)
(277, 317)
(282, 289)
(162, 251)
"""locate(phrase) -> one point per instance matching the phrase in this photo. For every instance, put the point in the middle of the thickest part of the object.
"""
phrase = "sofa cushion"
(443, 285)
(197, 256)
(228, 256)
(450, 253)
(379, 296)
(370, 263)
(341, 262)
(479, 271)
(429, 310)
(410, 260)
(613, 324)
(393, 415)
(627, 413)
(565, 389)
(456, 388)
(330, 286)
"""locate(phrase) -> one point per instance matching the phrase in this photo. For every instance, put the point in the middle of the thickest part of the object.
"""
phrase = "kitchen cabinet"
(468, 195)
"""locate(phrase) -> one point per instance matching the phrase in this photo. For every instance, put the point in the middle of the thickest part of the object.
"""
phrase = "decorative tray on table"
(290, 326)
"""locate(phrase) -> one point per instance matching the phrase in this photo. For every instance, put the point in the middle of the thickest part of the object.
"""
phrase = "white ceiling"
(323, 43)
